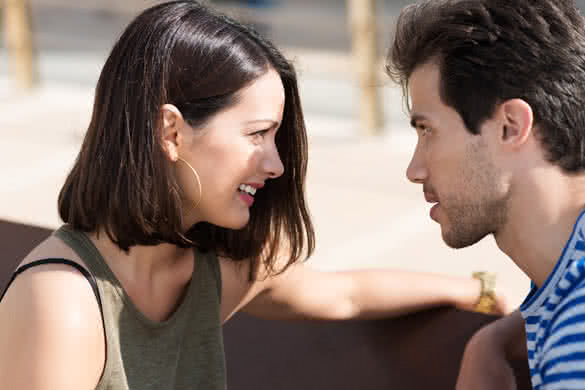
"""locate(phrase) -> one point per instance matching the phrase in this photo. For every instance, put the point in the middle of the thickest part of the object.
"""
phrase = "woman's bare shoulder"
(238, 289)
(236, 286)
(50, 326)
(51, 247)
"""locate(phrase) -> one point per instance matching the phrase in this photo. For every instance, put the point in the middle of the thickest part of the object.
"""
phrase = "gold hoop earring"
(198, 181)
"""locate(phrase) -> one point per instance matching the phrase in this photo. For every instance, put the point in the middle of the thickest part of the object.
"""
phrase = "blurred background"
(316, 34)
(365, 211)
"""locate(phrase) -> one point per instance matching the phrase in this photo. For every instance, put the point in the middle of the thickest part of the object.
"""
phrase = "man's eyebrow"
(416, 118)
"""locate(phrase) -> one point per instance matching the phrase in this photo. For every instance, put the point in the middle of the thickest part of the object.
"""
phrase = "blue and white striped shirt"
(555, 320)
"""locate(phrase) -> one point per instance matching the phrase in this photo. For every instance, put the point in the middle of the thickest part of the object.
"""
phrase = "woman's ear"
(171, 133)
(516, 122)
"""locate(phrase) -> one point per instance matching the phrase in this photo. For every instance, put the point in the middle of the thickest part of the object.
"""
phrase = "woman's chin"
(235, 224)
(238, 226)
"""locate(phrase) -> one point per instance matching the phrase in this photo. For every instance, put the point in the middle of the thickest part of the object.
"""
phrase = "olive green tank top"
(185, 352)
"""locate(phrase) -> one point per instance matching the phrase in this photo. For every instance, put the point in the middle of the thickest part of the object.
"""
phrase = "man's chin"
(455, 241)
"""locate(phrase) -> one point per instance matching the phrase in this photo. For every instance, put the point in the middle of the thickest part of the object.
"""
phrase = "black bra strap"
(73, 264)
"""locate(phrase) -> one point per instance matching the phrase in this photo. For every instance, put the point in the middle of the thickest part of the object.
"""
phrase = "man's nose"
(417, 171)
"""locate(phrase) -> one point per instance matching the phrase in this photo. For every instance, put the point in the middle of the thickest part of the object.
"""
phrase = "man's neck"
(540, 222)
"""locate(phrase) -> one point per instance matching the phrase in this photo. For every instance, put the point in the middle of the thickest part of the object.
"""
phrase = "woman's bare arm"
(51, 333)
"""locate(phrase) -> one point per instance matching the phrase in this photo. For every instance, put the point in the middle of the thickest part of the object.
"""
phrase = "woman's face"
(234, 154)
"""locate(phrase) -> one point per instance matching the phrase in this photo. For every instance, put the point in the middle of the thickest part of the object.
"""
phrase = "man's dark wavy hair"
(489, 51)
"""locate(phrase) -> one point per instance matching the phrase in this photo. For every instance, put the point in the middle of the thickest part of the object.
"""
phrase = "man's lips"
(431, 198)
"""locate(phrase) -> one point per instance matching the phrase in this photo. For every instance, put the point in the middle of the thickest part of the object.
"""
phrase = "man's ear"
(171, 134)
(516, 121)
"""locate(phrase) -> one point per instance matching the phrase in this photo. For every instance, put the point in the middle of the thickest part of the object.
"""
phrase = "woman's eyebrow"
(271, 121)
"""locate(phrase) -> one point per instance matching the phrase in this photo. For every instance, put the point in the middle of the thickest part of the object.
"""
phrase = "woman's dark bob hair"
(188, 55)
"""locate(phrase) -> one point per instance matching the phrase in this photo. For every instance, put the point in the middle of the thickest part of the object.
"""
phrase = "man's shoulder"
(570, 293)
(573, 279)
(563, 344)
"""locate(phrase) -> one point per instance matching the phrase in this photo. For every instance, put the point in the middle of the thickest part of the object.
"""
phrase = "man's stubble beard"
(484, 211)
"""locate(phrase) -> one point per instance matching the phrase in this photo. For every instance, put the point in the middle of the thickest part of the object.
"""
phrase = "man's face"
(454, 166)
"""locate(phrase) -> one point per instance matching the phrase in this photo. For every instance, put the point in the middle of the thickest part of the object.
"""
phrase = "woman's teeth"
(248, 189)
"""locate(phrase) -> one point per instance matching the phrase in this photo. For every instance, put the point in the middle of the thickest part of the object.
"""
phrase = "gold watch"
(487, 298)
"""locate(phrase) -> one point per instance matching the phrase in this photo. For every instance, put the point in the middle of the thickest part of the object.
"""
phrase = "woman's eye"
(260, 132)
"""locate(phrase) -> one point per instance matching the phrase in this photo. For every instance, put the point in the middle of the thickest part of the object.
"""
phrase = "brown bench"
(420, 351)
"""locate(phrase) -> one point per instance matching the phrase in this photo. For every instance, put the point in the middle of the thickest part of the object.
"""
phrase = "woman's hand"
(489, 298)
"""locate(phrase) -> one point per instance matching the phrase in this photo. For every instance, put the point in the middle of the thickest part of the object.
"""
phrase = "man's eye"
(424, 130)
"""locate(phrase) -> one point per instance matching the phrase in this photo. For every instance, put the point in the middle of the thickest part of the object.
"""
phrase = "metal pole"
(362, 20)
(19, 41)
